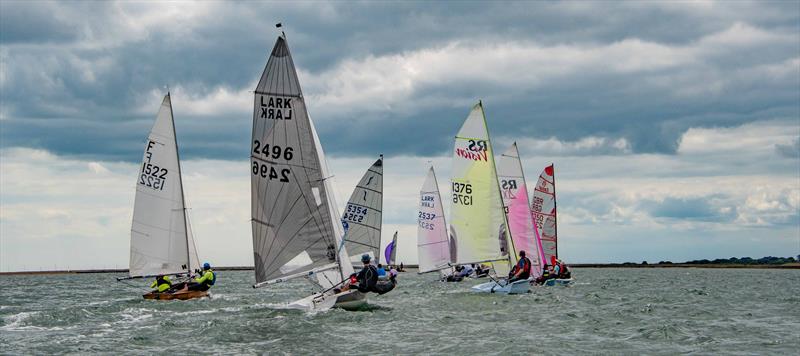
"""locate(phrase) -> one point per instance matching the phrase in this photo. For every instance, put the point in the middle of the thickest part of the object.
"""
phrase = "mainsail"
(391, 251)
(294, 218)
(433, 246)
(515, 198)
(543, 208)
(362, 217)
(160, 233)
(477, 222)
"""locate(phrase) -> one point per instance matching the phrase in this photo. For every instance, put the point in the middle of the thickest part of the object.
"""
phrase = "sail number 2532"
(462, 193)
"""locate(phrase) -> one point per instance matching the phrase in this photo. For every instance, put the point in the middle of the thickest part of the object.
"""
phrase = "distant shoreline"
(576, 265)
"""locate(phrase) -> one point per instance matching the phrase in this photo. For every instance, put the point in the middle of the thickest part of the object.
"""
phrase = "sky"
(674, 126)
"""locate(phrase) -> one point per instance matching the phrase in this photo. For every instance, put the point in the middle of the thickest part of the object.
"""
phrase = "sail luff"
(512, 256)
(180, 182)
(555, 209)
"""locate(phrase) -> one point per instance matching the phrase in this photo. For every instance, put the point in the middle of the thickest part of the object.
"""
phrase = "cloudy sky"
(674, 126)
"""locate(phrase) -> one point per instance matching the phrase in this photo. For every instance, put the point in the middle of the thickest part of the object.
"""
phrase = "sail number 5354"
(462, 193)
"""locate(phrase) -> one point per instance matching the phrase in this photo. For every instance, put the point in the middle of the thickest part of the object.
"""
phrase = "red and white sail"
(543, 208)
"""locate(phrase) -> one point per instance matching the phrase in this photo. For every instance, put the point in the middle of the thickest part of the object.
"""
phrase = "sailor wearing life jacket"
(208, 279)
(162, 283)
(523, 268)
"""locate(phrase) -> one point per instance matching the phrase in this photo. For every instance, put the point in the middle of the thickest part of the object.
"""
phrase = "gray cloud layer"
(78, 78)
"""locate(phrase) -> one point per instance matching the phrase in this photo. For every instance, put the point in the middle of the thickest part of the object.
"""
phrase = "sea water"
(606, 311)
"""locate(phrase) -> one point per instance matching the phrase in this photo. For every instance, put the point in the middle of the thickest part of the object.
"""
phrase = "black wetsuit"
(367, 278)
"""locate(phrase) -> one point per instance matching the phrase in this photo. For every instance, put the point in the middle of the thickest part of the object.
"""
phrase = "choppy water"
(608, 311)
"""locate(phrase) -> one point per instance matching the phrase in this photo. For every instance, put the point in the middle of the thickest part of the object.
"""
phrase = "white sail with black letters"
(295, 225)
(160, 233)
(362, 217)
(433, 247)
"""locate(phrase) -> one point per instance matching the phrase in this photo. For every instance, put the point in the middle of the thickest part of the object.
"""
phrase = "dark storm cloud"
(77, 76)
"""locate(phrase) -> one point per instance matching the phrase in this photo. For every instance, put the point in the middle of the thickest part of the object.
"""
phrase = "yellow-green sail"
(478, 224)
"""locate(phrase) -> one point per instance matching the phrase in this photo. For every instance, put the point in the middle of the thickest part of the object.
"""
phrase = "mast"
(444, 218)
(509, 240)
(180, 182)
(555, 208)
(378, 257)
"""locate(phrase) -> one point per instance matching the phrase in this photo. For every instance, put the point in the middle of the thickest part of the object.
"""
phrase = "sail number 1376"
(462, 193)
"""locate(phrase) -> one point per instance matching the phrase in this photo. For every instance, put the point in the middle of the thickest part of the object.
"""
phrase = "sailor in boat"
(545, 275)
(366, 278)
(522, 270)
(401, 268)
(563, 271)
(207, 279)
(481, 270)
(465, 271)
(162, 284)
(381, 271)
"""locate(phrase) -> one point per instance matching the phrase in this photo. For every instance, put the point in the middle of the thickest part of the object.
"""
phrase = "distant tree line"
(769, 260)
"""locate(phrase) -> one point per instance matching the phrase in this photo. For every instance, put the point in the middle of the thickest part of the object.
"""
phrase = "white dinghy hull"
(347, 300)
(517, 287)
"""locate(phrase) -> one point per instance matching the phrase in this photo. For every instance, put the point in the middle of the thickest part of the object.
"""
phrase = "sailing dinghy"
(543, 209)
(478, 222)
(296, 229)
(434, 248)
(161, 236)
(362, 221)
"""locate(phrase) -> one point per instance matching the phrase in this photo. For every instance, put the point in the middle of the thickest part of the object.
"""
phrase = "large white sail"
(159, 243)
(543, 208)
(433, 246)
(294, 219)
(362, 217)
(515, 199)
(477, 221)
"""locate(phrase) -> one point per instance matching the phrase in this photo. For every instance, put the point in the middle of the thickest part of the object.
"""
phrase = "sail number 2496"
(266, 170)
(462, 193)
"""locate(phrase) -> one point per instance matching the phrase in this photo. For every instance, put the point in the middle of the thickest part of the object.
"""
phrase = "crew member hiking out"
(162, 284)
(207, 279)
(368, 275)
(523, 268)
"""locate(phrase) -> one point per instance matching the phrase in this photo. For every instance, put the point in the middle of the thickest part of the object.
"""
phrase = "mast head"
(279, 26)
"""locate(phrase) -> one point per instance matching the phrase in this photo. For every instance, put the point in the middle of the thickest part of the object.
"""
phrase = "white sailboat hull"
(350, 300)
(502, 287)
(347, 300)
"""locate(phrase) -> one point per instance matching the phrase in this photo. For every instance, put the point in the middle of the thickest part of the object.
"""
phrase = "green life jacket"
(210, 281)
